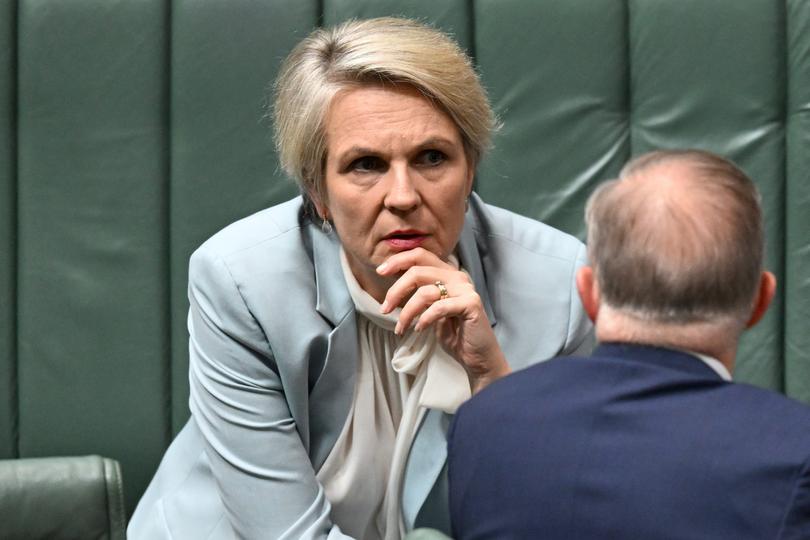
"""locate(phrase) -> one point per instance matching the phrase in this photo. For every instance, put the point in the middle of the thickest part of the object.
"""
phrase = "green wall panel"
(721, 89)
(452, 16)
(8, 225)
(225, 56)
(92, 209)
(557, 79)
(797, 249)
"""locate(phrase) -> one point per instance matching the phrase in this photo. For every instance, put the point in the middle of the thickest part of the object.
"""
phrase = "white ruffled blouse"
(398, 378)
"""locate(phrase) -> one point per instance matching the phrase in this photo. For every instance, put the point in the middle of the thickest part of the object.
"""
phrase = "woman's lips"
(402, 241)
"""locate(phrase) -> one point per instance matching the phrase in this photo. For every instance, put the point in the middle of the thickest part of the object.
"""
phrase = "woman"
(332, 335)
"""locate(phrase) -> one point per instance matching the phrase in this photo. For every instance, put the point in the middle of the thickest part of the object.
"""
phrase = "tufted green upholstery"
(131, 131)
(61, 498)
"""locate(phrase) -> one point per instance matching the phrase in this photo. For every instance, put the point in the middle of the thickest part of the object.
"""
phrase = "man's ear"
(765, 293)
(588, 290)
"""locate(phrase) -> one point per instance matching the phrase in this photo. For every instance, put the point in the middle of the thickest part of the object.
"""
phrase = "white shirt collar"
(713, 363)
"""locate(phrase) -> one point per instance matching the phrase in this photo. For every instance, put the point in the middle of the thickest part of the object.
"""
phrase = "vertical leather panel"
(452, 16)
(93, 260)
(225, 56)
(8, 225)
(556, 72)
(712, 75)
(797, 238)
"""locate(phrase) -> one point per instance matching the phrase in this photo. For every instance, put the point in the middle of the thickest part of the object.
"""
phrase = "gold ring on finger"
(442, 290)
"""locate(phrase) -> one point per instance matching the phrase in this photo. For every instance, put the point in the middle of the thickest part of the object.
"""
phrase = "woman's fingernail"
(384, 307)
(398, 329)
(382, 268)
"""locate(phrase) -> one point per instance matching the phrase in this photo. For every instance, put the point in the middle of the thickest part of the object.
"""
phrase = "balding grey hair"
(678, 238)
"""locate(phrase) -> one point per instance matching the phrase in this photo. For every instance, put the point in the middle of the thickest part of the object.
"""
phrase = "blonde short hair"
(374, 51)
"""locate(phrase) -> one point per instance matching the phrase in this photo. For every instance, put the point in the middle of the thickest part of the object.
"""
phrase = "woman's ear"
(320, 207)
(588, 290)
(470, 180)
(470, 172)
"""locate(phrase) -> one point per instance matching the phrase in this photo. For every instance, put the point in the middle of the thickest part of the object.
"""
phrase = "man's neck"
(716, 340)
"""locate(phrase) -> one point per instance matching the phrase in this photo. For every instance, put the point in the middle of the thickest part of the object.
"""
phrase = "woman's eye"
(432, 158)
(366, 164)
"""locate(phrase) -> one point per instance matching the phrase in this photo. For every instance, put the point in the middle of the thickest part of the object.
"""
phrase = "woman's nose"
(402, 194)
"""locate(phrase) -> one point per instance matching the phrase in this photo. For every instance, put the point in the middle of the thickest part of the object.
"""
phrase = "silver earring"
(466, 204)
(326, 226)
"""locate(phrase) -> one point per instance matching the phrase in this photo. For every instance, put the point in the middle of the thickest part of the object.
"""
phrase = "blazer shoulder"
(263, 226)
(506, 227)
(266, 253)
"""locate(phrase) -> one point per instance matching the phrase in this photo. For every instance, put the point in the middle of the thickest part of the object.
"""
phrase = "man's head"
(676, 249)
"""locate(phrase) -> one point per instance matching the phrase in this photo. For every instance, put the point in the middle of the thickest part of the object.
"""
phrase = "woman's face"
(397, 178)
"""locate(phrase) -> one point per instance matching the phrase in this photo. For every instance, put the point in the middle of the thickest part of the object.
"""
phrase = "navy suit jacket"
(633, 442)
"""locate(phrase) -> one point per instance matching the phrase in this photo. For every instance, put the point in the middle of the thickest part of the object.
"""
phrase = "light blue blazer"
(273, 352)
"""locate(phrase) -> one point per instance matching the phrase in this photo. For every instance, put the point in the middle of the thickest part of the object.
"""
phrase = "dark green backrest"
(61, 498)
(132, 130)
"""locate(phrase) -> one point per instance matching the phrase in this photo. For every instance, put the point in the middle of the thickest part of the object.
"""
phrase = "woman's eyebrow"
(433, 141)
(359, 150)
(345, 157)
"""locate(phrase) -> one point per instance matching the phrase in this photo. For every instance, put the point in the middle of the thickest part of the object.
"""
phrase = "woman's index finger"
(402, 261)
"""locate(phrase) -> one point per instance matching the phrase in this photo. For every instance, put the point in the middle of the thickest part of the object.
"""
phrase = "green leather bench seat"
(131, 131)
(61, 498)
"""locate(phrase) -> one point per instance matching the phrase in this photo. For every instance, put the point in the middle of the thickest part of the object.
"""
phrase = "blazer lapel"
(471, 258)
(429, 449)
(331, 396)
(333, 301)
(425, 464)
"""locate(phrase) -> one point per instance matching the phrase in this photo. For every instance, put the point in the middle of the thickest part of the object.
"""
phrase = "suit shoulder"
(771, 404)
(504, 226)
(542, 378)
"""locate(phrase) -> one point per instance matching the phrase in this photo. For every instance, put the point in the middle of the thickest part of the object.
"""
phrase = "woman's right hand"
(458, 317)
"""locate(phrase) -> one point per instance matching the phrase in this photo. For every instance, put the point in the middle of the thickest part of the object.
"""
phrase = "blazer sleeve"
(263, 472)
(581, 339)
(796, 525)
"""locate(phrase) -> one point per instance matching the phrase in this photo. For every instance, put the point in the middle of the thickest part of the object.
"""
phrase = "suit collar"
(671, 358)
